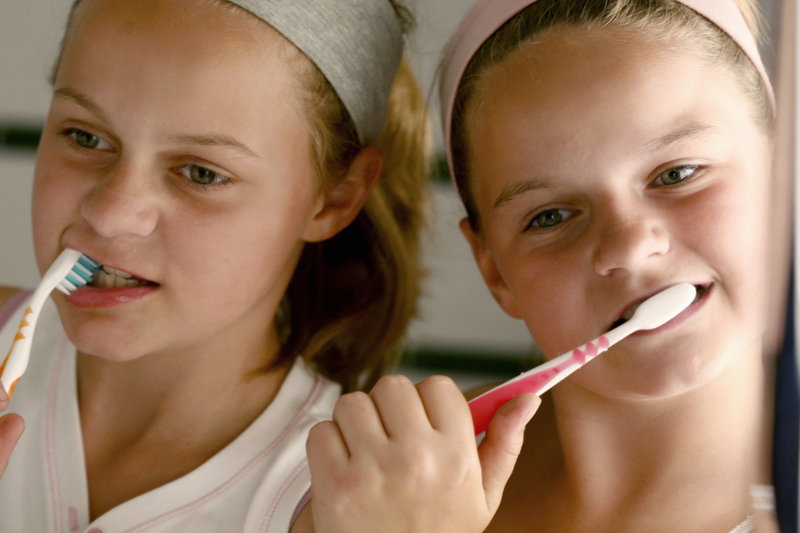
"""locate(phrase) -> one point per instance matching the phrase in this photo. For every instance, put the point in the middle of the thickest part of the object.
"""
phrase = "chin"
(90, 336)
(661, 378)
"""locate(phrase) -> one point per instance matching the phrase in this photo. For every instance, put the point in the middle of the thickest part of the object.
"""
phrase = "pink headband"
(487, 16)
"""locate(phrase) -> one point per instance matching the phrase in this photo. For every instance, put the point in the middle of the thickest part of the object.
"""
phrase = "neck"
(216, 388)
(635, 453)
(154, 419)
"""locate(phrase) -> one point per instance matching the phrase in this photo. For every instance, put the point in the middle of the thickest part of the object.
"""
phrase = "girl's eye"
(86, 140)
(551, 217)
(673, 176)
(202, 176)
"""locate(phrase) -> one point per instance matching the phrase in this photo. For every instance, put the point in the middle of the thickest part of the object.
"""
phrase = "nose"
(629, 240)
(121, 203)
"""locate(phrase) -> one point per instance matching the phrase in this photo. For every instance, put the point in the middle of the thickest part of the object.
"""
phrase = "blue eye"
(86, 140)
(673, 176)
(202, 176)
(551, 218)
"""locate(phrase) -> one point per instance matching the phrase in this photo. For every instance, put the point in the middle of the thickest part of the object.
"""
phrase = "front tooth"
(122, 274)
(115, 272)
(120, 282)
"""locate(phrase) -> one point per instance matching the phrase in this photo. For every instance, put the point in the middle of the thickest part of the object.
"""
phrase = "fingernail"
(3, 394)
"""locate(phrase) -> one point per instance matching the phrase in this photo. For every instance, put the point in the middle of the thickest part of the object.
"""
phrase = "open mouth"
(628, 314)
(111, 278)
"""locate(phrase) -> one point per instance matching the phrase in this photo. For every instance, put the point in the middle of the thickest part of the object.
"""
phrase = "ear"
(338, 207)
(491, 275)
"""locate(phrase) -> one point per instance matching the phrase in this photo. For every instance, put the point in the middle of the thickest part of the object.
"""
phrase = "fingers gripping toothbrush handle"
(538, 381)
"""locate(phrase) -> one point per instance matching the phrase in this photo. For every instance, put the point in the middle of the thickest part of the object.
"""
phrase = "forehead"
(207, 35)
(183, 64)
(588, 97)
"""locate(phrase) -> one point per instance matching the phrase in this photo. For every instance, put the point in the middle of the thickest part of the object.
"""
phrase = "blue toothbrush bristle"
(89, 263)
(81, 274)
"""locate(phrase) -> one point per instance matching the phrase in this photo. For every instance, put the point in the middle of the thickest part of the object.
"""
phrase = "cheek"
(549, 289)
(55, 204)
(243, 253)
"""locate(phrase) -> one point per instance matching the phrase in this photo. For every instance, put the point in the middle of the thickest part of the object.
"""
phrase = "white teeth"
(110, 278)
(118, 273)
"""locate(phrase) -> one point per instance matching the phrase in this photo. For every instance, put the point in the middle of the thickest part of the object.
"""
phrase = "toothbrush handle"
(543, 377)
(16, 361)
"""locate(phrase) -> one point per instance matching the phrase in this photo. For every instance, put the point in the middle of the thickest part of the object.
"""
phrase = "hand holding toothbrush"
(11, 428)
(403, 459)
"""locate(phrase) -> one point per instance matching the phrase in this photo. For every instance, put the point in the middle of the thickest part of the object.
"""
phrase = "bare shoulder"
(304, 522)
(6, 293)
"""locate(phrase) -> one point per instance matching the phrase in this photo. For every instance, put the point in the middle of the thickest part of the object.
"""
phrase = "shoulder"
(304, 522)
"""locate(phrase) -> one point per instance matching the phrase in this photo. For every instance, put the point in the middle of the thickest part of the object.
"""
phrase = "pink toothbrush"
(651, 313)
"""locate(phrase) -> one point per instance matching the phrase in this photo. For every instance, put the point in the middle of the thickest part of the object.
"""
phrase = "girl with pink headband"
(605, 150)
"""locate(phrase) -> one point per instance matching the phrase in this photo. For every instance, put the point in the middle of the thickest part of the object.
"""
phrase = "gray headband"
(356, 44)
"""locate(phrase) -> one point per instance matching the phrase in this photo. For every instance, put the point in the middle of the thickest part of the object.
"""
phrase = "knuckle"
(352, 402)
(392, 380)
(319, 434)
(438, 382)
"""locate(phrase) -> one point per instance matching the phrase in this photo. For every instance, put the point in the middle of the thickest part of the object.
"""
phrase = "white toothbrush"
(70, 270)
(651, 313)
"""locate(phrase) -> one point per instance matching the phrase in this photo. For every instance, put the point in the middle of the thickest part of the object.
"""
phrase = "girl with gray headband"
(251, 175)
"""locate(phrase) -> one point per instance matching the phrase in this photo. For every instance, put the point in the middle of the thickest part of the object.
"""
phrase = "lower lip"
(682, 317)
(92, 297)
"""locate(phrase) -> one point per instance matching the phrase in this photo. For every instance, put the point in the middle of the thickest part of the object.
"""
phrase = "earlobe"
(340, 206)
(491, 275)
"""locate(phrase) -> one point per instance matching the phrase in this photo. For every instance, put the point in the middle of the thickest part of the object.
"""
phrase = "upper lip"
(639, 300)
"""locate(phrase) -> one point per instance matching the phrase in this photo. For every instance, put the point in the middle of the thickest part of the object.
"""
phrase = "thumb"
(499, 450)
(11, 428)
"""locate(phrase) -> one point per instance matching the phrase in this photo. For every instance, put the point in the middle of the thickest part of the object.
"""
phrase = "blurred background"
(460, 331)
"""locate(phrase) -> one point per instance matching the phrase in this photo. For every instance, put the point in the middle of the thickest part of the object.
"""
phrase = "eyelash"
(695, 170)
(223, 181)
(530, 225)
(72, 135)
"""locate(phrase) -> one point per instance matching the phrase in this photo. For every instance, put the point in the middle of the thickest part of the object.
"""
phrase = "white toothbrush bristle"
(62, 289)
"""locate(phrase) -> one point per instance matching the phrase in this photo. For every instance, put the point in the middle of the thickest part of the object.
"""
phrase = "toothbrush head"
(664, 306)
(81, 273)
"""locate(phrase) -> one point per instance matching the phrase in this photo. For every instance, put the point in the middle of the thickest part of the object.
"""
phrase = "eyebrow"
(213, 140)
(521, 187)
(83, 101)
(685, 133)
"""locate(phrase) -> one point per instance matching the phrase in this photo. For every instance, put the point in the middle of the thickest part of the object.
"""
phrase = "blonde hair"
(351, 297)
(667, 20)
